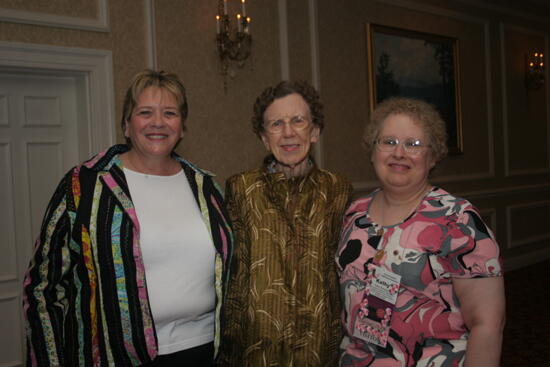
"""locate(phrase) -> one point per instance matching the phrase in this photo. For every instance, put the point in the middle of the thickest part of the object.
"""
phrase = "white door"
(38, 144)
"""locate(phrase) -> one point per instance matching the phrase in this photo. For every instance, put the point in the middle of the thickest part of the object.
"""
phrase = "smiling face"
(155, 125)
(399, 171)
(290, 146)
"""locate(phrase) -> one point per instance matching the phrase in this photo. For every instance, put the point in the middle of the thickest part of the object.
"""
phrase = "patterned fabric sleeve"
(343, 259)
(473, 250)
(235, 307)
(341, 200)
(44, 301)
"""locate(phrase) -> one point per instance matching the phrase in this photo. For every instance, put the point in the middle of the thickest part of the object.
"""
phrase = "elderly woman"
(131, 260)
(420, 272)
(283, 304)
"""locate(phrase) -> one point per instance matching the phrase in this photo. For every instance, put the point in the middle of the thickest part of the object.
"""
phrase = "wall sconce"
(534, 70)
(232, 47)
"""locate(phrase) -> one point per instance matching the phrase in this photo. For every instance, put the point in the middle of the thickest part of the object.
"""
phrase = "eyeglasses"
(390, 143)
(297, 123)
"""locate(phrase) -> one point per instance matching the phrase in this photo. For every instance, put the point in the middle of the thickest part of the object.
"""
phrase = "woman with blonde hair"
(131, 262)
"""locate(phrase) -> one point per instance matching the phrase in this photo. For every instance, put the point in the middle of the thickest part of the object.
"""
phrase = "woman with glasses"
(420, 272)
(283, 304)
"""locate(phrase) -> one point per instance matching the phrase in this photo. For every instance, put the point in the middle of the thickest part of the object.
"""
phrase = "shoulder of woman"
(359, 205)
(197, 169)
(455, 203)
(247, 176)
(333, 177)
(239, 181)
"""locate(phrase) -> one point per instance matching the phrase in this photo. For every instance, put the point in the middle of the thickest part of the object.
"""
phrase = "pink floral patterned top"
(444, 238)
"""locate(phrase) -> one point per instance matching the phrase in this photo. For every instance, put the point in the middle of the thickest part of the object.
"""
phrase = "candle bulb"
(225, 7)
(244, 7)
(217, 24)
(247, 28)
(239, 23)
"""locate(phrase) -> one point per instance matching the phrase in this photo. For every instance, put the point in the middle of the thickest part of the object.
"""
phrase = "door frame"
(93, 71)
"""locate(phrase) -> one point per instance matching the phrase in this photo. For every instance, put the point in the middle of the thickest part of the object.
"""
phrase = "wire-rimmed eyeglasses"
(297, 123)
(410, 145)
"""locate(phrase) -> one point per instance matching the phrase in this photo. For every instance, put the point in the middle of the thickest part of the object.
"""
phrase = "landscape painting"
(413, 64)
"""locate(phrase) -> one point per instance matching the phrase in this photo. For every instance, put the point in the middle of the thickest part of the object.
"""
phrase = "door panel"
(8, 267)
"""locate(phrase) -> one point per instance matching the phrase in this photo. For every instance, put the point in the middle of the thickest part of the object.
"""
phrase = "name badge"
(372, 323)
(385, 284)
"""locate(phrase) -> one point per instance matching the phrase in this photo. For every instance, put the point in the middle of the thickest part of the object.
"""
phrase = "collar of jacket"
(278, 180)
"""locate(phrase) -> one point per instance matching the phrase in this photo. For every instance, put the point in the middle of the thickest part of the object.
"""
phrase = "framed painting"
(418, 65)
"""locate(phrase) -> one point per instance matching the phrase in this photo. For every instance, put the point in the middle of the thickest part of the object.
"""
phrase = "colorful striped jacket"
(85, 296)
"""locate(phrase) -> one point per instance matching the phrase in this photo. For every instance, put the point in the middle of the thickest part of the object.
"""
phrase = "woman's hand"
(482, 305)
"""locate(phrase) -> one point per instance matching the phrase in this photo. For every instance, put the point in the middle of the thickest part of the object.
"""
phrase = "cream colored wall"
(505, 167)
(219, 136)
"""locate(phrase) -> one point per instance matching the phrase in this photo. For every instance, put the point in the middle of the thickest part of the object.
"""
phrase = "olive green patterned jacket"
(283, 305)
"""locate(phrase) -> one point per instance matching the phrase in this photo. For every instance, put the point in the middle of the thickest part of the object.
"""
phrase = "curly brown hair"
(419, 111)
(283, 89)
(150, 78)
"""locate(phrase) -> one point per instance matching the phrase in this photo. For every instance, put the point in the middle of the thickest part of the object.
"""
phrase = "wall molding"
(529, 258)
(505, 10)
(511, 190)
(508, 172)
(95, 68)
(283, 40)
(492, 214)
(527, 240)
(313, 14)
(150, 34)
(490, 104)
(100, 24)
(423, 8)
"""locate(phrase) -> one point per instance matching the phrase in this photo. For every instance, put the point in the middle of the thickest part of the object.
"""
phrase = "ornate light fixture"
(232, 47)
(534, 70)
